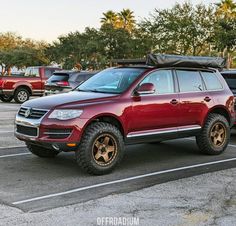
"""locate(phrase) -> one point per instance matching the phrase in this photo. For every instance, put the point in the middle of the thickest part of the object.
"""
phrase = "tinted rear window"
(49, 71)
(58, 77)
(189, 81)
(211, 81)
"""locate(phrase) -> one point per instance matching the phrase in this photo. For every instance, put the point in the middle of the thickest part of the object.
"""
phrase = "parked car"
(65, 81)
(22, 87)
(172, 97)
(230, 78)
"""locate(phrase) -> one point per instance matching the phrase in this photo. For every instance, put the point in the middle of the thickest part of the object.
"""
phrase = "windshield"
(116, 80)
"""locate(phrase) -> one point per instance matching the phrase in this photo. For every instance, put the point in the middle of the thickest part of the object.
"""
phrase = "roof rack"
(165, 60)
(128, 61)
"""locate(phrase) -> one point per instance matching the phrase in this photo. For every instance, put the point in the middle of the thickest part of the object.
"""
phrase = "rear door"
(194, 99)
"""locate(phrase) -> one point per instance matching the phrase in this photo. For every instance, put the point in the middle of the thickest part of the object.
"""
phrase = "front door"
(158, 112)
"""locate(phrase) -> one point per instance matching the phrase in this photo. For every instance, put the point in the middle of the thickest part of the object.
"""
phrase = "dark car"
(65, 81)
(230, 78)
(174, 98)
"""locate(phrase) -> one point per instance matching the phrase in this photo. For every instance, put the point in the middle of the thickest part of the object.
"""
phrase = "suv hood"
(74, 97)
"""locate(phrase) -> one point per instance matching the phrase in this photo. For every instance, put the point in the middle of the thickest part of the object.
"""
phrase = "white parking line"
(7, 131)
(9, 147)
(230, 145)
(13, 155)
(120, 181)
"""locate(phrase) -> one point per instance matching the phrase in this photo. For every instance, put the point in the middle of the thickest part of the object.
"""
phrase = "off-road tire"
(204, 141)
(85, 154)
(6, 98)
(18, 93)
(42, 152)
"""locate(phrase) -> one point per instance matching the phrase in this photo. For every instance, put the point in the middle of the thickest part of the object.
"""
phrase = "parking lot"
(33, 184)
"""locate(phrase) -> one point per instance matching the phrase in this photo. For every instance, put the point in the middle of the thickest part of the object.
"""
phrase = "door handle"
(174, 101)
(207, 99)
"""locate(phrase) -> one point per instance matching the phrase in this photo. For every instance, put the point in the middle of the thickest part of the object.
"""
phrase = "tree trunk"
(229, 60)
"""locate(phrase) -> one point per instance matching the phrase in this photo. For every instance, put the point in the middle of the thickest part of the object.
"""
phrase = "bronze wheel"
(101, 148)
(218, 134)
(214, 136)
(104, 149)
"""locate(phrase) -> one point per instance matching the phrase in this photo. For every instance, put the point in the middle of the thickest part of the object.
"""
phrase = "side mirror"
(146, 88)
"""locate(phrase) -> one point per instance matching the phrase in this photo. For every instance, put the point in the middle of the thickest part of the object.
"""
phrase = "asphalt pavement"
(32, 184)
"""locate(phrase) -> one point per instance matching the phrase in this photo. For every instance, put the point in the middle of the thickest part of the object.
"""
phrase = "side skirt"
(161, 135)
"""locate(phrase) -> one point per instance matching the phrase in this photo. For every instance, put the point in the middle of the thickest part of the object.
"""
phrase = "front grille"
(32, 113)
(58, 133)
(25, 130)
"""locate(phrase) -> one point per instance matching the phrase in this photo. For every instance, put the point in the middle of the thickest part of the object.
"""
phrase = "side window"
(211, 81)
(34, 72)
(189, 81)
(162, 80)
(28, 72)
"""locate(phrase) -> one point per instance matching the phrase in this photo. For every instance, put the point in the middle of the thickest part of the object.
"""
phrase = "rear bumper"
(49, 91)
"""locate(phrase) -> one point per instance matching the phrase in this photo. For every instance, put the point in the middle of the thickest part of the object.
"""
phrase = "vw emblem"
(27, 113)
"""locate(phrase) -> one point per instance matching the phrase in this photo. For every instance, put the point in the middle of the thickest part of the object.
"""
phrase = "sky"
(48, 19)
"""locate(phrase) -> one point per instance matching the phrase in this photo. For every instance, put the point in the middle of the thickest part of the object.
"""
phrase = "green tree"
(115, 42)
(183, 29)
(17, 52)
(225, 29)
(109, 17)
(226, 9)
(126, 20)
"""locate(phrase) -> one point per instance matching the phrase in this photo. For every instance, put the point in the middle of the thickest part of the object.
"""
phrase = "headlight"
(65, 114)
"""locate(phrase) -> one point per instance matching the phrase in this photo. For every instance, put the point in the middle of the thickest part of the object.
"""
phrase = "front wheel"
(6, 98)
(42, 152)
(215, 135)
(101, 148)
(21, 95)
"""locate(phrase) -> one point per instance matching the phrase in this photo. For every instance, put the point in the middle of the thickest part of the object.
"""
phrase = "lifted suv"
(128, 105)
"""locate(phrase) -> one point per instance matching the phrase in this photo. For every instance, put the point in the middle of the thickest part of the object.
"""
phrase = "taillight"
(1, 83)
(62, 83)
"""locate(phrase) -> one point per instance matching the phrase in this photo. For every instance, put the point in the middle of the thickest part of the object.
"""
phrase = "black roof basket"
(165, 60)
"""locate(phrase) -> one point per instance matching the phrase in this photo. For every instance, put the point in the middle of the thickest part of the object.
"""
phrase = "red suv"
(128, 105)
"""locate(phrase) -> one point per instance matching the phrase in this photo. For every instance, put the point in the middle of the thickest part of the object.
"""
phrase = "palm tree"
(226, 9)
(126, 19)
(110, 17)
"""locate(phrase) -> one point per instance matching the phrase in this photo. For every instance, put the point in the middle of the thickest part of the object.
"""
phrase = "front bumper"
(50, 133)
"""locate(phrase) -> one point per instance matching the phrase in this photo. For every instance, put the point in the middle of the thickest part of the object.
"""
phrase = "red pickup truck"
(22, 87)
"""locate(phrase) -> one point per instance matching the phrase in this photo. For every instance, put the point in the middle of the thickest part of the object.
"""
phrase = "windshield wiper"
(95, 91)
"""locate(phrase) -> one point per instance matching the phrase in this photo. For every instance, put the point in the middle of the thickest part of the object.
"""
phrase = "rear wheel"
(215, 135)
(6, 98)
(42, 152)
(21, 95)
(101, 148)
